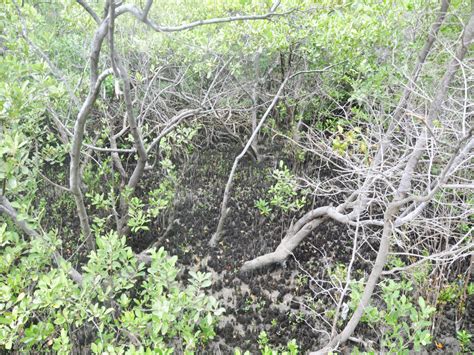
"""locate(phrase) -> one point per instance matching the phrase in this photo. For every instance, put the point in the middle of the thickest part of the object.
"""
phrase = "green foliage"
(284, 194)
(253, 303)
(403, 318)
(158, 200)
(53, 151)
(99, 200)
(464, 338)
(161, 198)
(266, 349)
(141, 211)
(25, 92)
(350, 141)
(12, 153)
(138, 218)
(450, 293)
(301, 280)
(109, 87)
(125, 305)
(239, 352)
(285, 190)
(470, 289)
(407, 323)
(122, 299)
(262, 339)
(179, 139)
(263, 207)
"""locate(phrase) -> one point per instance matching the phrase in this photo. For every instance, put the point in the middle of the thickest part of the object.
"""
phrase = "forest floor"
(283, 300)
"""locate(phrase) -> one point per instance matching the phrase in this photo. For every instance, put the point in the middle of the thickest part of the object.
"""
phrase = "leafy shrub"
(284, 194)
(122, 303)
(267, 349)
(263, 207)
(404, 321)
(464, 338)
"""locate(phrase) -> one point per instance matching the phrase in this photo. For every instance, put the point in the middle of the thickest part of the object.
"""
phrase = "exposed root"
(285, 249)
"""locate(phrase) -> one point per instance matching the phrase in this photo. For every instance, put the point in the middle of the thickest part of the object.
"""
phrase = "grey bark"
(404, 187)
(286, 247)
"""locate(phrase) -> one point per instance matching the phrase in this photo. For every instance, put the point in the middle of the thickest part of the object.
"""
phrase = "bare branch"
(142, 16)
(89, 10)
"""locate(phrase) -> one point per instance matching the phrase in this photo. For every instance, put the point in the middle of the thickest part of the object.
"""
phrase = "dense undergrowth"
(88, 241)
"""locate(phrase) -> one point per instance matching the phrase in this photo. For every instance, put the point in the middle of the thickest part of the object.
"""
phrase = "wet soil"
(287, 300)
(274, 299)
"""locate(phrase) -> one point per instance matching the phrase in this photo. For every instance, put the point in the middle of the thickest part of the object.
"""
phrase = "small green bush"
(284, 194)
(123, 303)
(403, 319)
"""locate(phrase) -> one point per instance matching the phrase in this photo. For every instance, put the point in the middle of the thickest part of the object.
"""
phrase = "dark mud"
(285, 300)
(281, 299)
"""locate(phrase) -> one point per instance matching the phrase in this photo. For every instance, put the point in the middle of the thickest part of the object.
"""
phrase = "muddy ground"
(284, 300)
